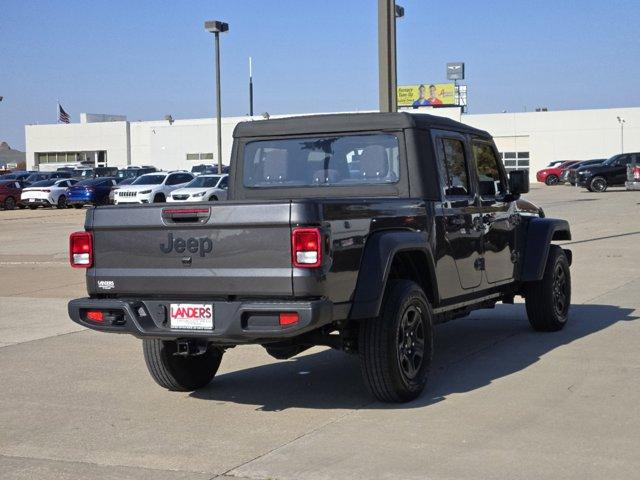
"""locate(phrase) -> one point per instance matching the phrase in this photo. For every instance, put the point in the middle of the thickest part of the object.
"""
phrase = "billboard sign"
(426, 95)
(455, 71)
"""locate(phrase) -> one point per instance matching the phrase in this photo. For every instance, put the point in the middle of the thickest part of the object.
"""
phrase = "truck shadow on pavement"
(470, 353)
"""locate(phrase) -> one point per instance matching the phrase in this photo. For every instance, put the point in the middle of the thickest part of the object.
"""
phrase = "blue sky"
(146, 59)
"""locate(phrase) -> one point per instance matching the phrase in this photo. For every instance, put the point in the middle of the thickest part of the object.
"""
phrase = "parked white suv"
(203, 188)
(47, 193)
(151, 187)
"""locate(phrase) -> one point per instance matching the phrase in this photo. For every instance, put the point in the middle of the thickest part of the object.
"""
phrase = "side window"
(490, 180)
(172, 180)
(224, 183)
(455, 172)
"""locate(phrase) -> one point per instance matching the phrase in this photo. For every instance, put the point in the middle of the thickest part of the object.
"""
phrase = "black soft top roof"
(348, 122)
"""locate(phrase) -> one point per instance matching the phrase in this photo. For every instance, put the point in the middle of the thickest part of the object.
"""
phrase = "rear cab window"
(322, 161)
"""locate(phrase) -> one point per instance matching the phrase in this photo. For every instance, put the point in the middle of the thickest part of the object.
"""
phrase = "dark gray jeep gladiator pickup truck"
(359, 232)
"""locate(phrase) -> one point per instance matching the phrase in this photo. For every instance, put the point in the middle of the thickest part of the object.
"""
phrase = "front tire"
(159, 198)
(178, 373)
(548, 300)
(396, 348)
(598, 184)
(551, 180)
(77, 205)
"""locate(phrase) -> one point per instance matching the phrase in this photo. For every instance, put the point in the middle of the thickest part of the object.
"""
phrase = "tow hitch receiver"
(188, 348)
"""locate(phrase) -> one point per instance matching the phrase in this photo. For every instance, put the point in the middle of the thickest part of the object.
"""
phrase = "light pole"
(216, 27)
(621, 121)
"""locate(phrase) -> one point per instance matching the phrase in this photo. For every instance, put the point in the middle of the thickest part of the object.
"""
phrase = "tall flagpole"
(57, 110)
(250, 88)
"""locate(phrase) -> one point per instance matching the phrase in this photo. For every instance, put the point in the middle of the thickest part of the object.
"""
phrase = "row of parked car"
(67, 188)
(595, 175)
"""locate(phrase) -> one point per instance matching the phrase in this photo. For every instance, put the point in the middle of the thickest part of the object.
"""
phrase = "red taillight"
(306, 247)
(81, 250)
(288, 318)
(95, 316)
(636, 173)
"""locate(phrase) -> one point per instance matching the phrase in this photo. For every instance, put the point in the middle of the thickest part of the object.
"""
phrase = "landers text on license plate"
(191, 316)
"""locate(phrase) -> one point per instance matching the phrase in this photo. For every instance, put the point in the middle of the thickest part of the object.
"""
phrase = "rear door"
(498, 218)
(459, 209)
(220, 249)
(619, 171)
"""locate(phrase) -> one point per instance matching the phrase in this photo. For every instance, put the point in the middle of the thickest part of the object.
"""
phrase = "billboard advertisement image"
(427, 94)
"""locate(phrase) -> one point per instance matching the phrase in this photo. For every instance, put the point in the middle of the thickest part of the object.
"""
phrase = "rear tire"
(77, 205)
(62, 202)
(551, 180)
(178, 373)
(548, 300)
(598, 184)
(33, 207)
(9, 203)
(396, 348)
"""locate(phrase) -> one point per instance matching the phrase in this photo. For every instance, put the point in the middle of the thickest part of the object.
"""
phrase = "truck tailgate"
(215, 249)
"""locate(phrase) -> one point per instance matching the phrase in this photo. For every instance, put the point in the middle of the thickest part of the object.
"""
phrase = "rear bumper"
(36, 201)
(632, 185)
(235, 323)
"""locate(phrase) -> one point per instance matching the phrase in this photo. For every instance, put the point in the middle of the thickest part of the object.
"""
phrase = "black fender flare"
(537, 237)
(379, 251)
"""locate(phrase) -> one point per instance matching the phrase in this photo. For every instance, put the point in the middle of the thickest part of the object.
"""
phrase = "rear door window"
(453, 167)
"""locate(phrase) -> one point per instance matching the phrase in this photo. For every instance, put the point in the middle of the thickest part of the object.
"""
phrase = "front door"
(461, 227)
(499, 218)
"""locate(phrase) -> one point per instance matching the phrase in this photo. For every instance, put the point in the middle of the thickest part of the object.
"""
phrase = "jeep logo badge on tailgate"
(201, 246)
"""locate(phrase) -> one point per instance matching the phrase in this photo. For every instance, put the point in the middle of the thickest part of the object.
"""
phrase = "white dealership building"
(525, 139)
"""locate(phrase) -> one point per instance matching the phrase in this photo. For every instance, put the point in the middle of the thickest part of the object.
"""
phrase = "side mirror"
(518, 182)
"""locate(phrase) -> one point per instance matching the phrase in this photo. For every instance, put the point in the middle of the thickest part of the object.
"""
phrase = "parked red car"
(10, 191)
(551, 174)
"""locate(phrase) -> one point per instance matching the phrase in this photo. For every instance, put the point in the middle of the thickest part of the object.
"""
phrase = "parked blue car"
(94, 191)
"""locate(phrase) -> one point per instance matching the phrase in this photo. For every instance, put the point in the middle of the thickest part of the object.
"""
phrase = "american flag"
(62, 115)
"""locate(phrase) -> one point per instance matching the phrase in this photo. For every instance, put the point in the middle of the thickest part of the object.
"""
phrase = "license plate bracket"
(191, 316)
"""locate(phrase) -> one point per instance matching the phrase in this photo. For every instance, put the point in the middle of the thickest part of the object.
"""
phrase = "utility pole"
(387, 13)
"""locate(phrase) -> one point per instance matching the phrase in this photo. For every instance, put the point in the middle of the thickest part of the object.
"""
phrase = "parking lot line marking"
(33, 263)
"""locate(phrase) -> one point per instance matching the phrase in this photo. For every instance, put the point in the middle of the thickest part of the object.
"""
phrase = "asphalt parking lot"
(503, 401)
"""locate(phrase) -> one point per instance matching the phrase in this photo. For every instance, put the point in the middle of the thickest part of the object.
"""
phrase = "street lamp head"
(620, 120)
(399, 11)
(214, 26)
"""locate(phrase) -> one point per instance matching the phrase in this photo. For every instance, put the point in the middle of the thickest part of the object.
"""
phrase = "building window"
(516, 160)
(57, 157)
(199, 156)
